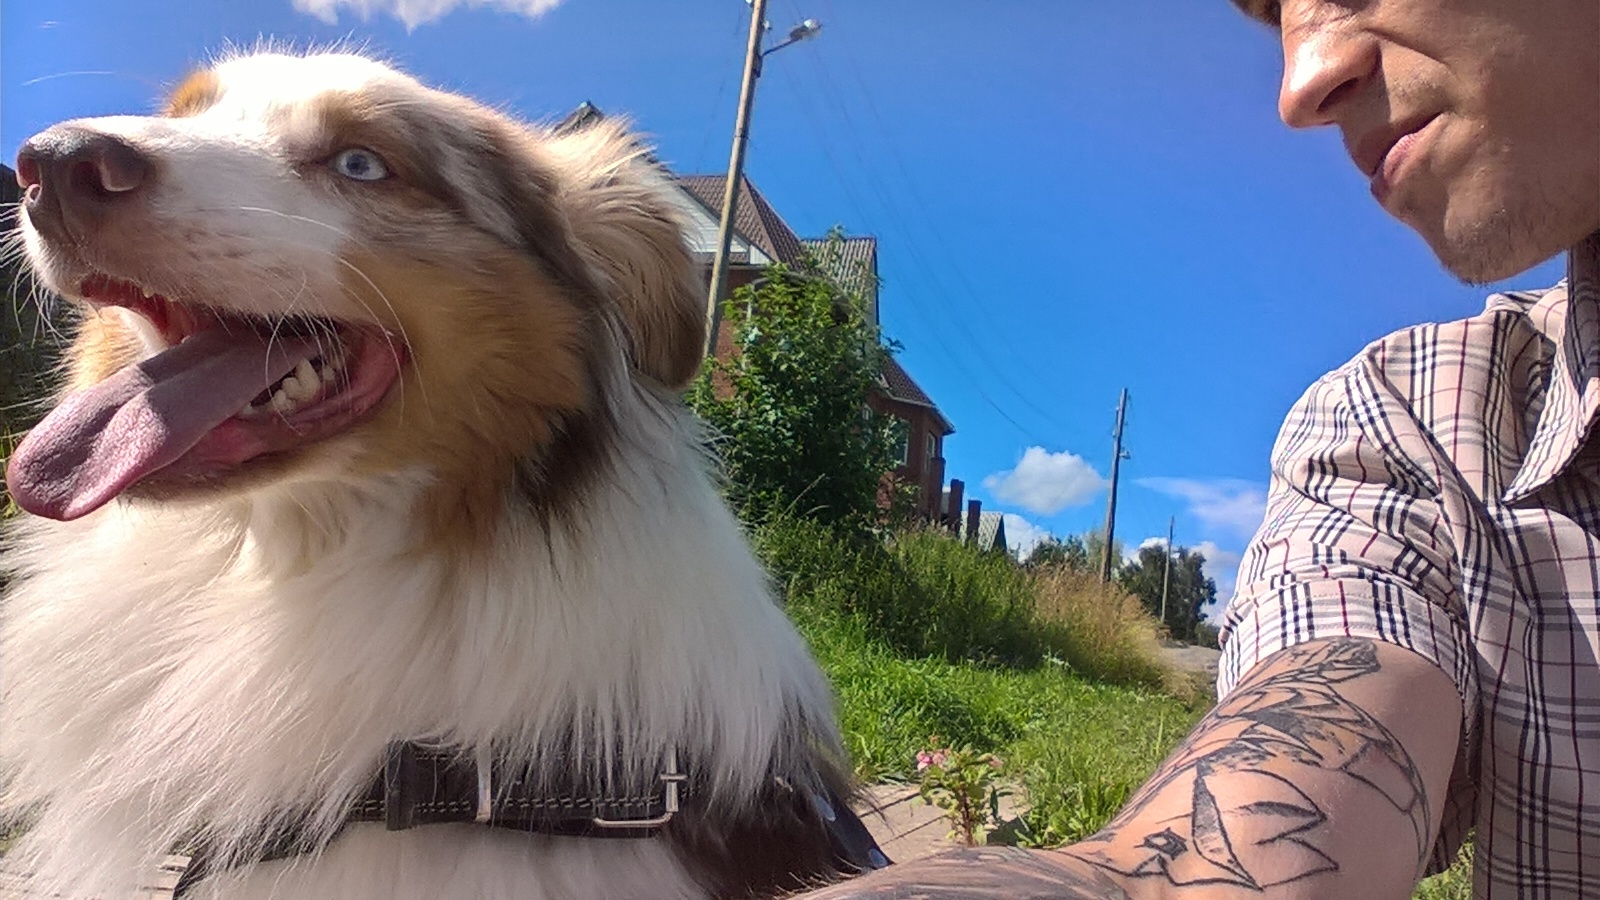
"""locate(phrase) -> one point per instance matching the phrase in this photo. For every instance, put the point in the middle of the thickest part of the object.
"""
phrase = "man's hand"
(1320, 776)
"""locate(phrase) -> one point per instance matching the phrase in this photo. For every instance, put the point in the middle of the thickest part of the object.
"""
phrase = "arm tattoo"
(982, 873)
(1267, 832)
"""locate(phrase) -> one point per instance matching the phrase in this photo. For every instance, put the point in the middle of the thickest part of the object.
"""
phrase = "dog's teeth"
(281, 402)
(307, 377)
(297, 388)
(249, 409)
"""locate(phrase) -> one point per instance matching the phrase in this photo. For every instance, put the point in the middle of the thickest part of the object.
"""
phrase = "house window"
(902, 440)
(933, 448)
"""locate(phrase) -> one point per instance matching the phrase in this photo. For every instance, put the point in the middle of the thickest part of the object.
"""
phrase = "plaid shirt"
(1441, 492)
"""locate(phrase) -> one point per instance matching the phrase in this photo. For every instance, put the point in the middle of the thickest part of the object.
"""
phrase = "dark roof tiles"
(753, 217)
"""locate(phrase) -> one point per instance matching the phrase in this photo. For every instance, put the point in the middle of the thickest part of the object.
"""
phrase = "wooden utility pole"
(1166, 577)
(1117, 456)
(730, 191)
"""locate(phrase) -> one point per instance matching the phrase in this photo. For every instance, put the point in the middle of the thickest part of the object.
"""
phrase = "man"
(1414, 651)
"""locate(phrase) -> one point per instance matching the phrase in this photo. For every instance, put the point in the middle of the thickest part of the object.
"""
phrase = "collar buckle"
(671, 781)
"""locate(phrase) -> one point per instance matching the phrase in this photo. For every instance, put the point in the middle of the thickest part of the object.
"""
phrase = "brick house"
(852, 263)
(760, 238)
(925, 428)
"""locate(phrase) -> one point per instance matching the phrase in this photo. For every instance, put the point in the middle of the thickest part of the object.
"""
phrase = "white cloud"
(1130, 552)
(1022, 536)
(1227, 504)
(1221, 566)
(417, 12)
(1046, 483)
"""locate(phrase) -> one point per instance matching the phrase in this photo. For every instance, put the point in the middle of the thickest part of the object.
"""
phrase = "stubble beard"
(1515, 236)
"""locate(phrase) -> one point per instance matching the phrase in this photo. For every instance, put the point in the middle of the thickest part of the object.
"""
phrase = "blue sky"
(1071, 198)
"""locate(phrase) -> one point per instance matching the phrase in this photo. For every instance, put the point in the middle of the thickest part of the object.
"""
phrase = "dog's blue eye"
(360, 165)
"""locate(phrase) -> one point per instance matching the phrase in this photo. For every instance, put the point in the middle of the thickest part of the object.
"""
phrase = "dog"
(370, 550)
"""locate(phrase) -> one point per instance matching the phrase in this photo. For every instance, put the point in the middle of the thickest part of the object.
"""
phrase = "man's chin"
(1495, 247)
(1480, 266)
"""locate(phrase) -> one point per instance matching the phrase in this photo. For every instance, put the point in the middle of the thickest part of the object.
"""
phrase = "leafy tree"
(791, 401)
(1189, 592)
(1053, 551)
(1079, 552)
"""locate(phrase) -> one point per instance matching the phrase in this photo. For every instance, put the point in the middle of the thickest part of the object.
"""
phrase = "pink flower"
(924, 760)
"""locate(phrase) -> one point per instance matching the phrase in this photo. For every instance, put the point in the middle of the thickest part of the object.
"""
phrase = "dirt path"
(1191, 658)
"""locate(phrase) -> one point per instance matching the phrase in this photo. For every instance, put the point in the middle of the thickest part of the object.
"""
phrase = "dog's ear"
(617, 203)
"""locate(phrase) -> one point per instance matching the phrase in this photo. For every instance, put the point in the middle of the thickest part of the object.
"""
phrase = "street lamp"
(741, 137)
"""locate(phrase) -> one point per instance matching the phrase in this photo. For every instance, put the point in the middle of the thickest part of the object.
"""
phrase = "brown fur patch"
(504, 189)
(581, 203)
(499, 382)
(629, 233)
(194, 95)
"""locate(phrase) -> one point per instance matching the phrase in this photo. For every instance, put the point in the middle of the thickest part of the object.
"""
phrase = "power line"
(950, 354)
(891, 210)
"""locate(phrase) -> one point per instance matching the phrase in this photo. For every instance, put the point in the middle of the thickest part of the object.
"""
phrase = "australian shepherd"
(369, 551)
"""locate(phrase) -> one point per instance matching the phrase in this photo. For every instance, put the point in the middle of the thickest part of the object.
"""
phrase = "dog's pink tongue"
(103, 438)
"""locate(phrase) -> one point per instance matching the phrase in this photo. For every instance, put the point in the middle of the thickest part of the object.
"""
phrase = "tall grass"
(8, 507)
(922, 636)
(1098, 629)
(923, 594)
(920, 594)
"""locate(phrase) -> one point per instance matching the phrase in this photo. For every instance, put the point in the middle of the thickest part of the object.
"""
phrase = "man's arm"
(1320, 776)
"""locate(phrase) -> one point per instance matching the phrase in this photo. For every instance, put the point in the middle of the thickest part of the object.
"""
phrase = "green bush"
(922, 593)
(790, 402)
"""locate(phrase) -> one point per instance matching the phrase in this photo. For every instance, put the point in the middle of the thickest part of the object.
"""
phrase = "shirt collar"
(1569, 315)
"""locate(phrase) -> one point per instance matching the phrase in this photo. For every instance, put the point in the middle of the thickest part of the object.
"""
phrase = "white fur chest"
(167, 670)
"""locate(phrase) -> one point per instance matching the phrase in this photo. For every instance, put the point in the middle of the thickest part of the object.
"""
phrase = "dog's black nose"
(76, 175)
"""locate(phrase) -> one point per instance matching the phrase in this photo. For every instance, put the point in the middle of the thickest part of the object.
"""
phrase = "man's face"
(1478, 121)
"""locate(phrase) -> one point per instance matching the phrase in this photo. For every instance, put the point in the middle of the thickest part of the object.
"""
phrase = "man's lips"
(1381, 153)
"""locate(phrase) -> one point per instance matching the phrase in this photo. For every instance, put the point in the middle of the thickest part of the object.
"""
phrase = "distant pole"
(1166, 577)
(753, 55)
(1117, 456)
(730, 191)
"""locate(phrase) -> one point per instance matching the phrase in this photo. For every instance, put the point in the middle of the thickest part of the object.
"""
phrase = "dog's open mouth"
(229, 388)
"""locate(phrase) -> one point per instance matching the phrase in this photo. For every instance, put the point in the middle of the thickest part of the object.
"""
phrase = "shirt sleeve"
(1354, 543)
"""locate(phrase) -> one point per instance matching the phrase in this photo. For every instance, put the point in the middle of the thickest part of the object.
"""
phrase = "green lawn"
(1078, 747)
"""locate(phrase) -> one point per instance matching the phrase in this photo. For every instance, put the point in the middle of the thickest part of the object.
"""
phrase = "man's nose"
(77, 175)
(1325, 59)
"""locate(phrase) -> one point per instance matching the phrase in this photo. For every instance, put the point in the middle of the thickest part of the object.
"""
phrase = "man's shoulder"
(1482, 377)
